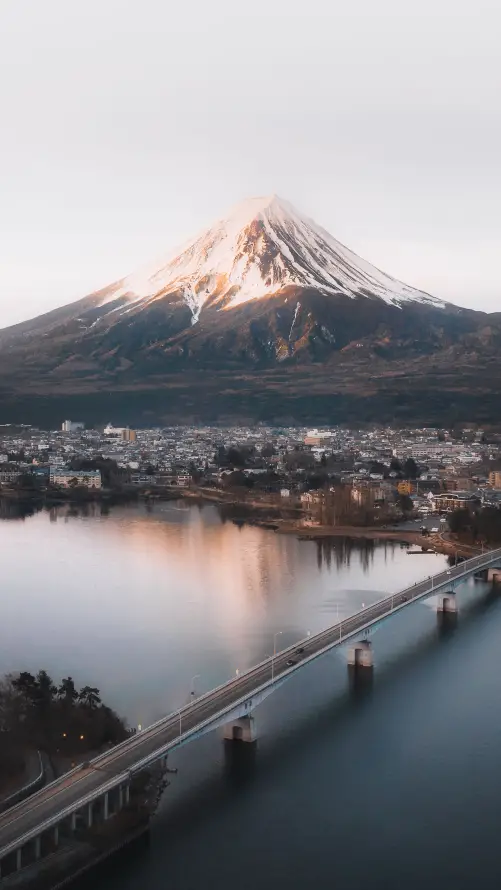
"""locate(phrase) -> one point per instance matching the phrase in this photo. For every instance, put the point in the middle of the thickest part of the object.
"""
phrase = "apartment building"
(68, 478)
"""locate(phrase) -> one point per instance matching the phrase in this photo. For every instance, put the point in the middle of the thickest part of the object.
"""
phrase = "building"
(312, 497)
(69, 478)
(404, 487)
(120, 432)
(459, 483)
(454, 500)
(314, 437)
(495, 479)
(40, 472)
(72, 426)
(143, 479)
(491, 498)
(7, 476)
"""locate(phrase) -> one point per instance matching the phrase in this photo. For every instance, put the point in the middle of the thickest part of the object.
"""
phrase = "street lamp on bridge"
(275, 635)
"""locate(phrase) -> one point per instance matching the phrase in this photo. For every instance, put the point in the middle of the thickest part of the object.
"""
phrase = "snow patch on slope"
(298, 307)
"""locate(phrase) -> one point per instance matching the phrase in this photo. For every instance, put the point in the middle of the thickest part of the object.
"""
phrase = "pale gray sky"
(127, 126)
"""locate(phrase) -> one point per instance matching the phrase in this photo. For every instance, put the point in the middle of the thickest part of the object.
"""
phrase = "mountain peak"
(253, 207)
(260, 248)
(269, 208)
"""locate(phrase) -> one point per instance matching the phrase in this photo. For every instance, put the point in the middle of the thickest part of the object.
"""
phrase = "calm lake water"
(394, 788)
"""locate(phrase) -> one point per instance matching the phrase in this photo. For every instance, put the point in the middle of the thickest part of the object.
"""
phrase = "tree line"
(39, 691)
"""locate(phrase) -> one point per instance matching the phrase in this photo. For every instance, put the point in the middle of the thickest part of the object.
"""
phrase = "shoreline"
(265, 512)
(436, 543)
(309, 532)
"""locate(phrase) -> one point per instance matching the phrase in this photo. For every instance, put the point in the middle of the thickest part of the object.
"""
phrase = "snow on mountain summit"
(261, 247)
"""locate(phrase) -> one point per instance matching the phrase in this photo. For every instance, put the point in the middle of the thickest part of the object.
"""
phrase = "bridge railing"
(441, 578)
(392, 601)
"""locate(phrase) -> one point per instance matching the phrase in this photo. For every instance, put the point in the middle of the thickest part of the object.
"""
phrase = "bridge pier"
(360, 667)
(241, 730)
(103, 807)
(123, 796)
(447, 612)
(116, 800)
(360, 655)
(447, 603)
(494, 575)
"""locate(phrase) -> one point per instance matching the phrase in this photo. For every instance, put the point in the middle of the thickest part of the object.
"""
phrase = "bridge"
(98, 789)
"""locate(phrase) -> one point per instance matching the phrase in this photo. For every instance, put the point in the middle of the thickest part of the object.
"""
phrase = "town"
(332, 476)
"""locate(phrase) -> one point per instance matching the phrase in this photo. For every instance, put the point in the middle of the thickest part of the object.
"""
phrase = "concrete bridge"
(100, 788)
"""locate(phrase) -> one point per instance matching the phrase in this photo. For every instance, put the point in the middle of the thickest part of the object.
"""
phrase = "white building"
(124, 433)
(72, 426)
(85, 478)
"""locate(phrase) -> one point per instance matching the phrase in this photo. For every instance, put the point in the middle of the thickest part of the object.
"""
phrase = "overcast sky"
(127, 127)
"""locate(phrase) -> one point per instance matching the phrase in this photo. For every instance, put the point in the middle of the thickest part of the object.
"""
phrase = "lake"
(392, 788)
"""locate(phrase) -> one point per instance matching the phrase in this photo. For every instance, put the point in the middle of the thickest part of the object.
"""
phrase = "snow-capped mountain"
(262, 315)
(263, 246)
